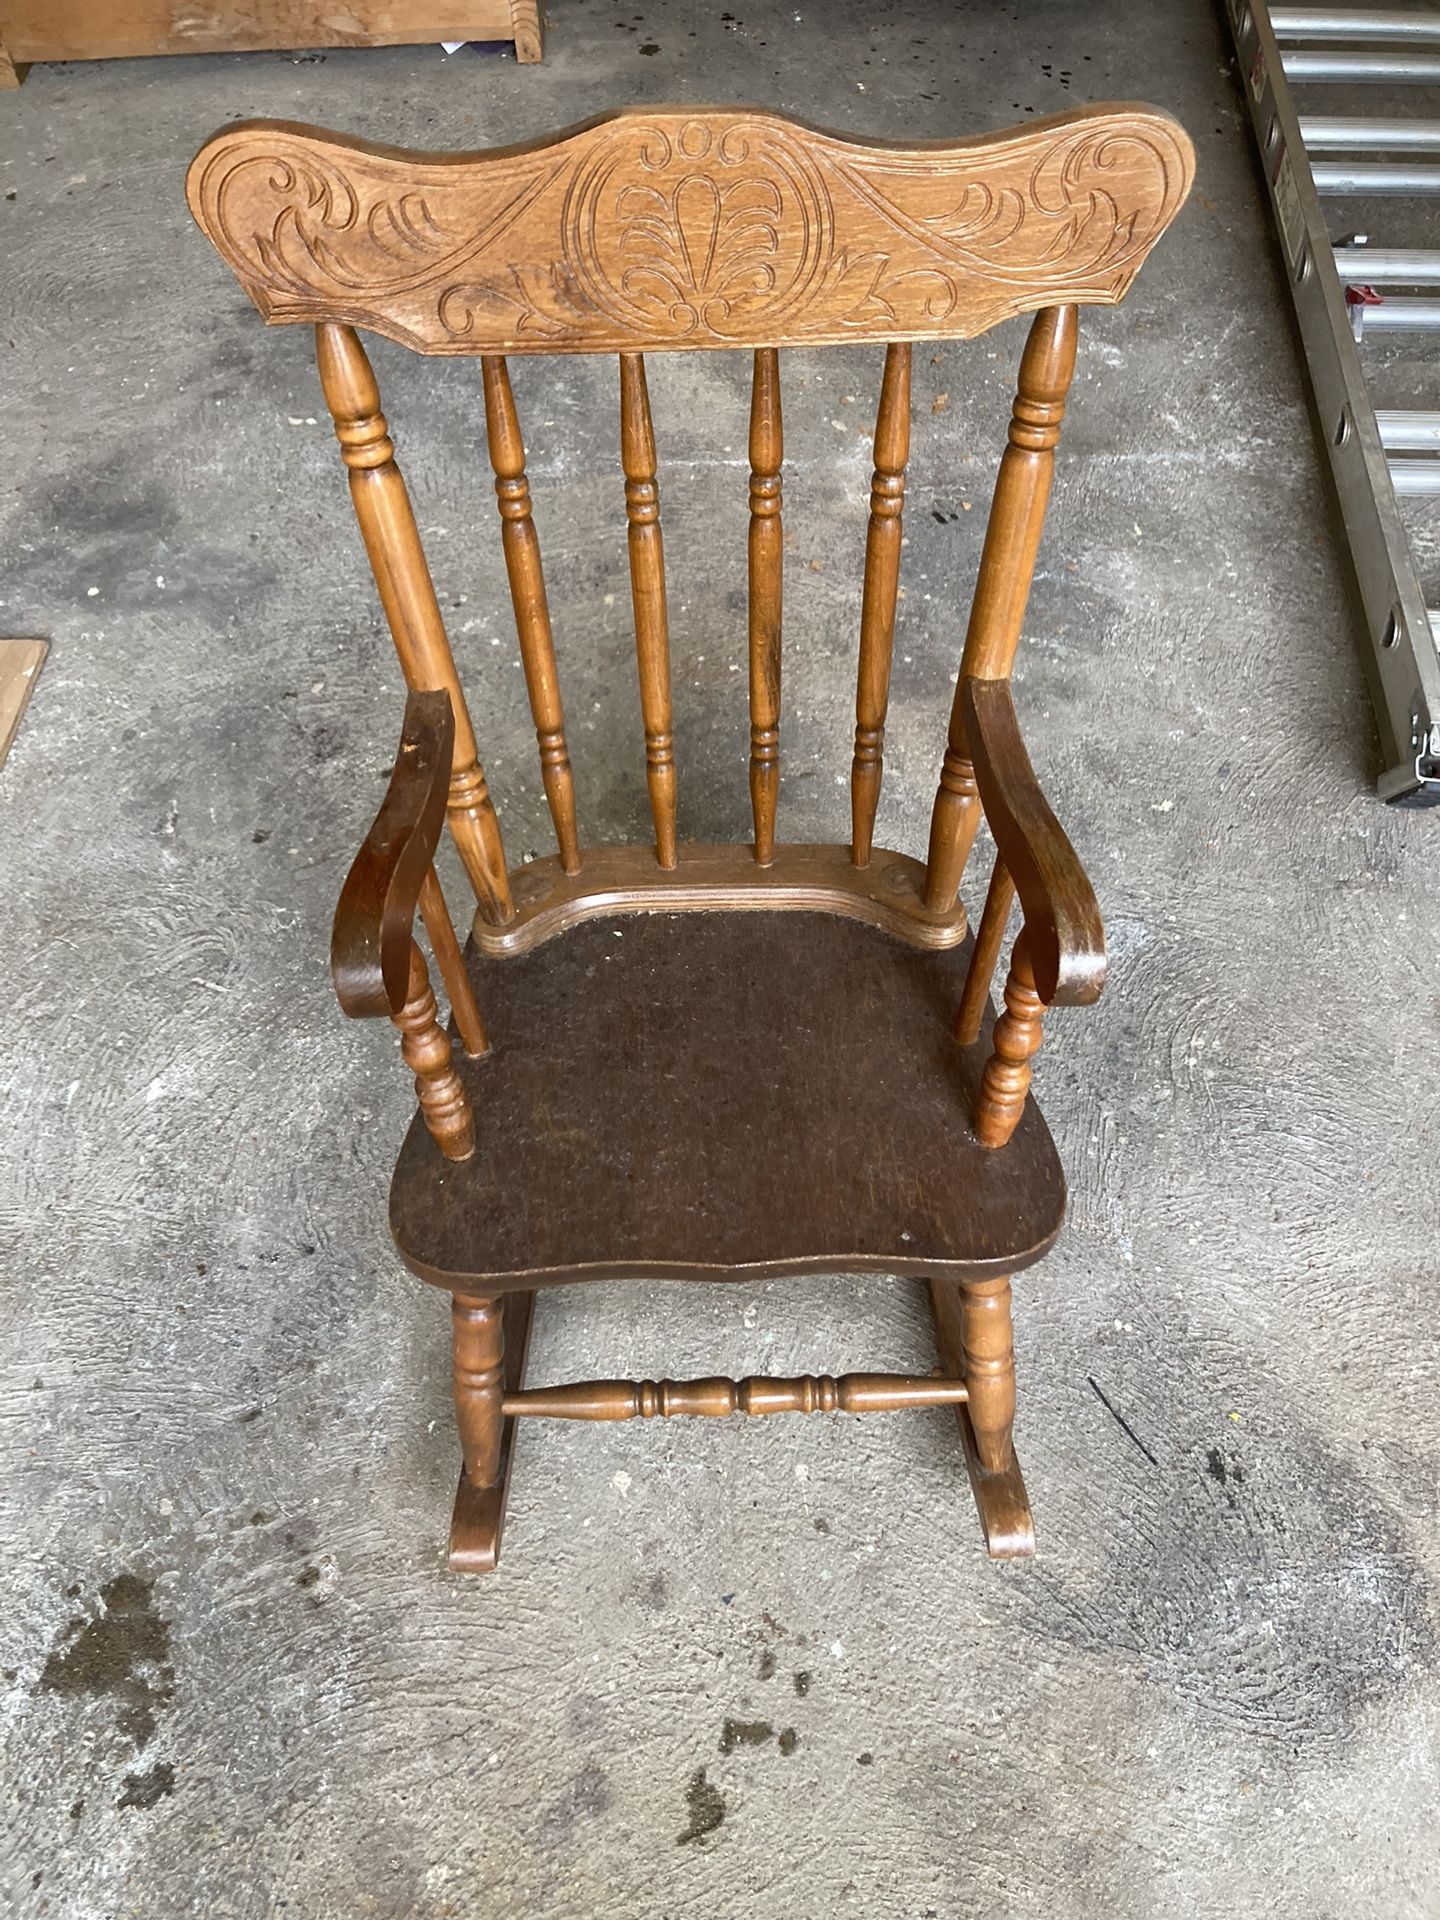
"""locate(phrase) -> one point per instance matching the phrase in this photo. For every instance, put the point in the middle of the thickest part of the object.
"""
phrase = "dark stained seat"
(680, 1059)
(815, 1119)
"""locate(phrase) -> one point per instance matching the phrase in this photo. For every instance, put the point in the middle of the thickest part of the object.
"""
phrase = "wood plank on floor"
(20, 663)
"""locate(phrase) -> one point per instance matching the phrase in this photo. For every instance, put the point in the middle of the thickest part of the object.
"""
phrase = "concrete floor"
(764, 1669)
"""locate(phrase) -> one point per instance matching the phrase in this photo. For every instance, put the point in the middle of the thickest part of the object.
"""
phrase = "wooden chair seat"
(720, 1096)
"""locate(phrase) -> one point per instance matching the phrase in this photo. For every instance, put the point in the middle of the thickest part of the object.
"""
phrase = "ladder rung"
(1350, 135)
(1346, 23)
(1389, 266)
(1308, 65)
(1374, 177)
(1405, 430)
(1396, 316)
(1415, 477)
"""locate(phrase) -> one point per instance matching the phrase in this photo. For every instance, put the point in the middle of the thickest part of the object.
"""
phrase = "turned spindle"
(767, 549)
(975, 996)
(716, 1397)
(426, 1048)
(521, 544)
(989, 1369)
(647, 592)
(407, 593)
(877, 607)
(451, 962)
(478, 1348)
(1014, 1043)
(1002, 588)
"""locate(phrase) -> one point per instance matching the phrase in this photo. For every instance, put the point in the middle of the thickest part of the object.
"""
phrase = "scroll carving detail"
(678, 228)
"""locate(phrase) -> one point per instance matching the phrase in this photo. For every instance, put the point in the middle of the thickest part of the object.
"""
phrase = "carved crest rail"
(690, 227)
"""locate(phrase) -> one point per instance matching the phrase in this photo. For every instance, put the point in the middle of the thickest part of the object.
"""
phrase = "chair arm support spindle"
(451, 962)
(988, 941)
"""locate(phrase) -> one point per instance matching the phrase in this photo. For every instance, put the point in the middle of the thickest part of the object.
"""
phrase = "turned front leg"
(989, 1350)
(479, 1349)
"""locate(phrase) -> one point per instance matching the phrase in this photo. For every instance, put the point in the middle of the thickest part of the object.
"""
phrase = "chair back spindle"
(407, 594)
(1002, 587)
(767, 562)
(647, 589)
(532, 610)
(877, 608)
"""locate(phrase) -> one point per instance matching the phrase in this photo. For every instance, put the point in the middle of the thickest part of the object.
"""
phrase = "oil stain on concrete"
(120, 1654)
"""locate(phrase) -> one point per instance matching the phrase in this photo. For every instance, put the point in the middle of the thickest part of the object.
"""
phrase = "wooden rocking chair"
(775, 1022)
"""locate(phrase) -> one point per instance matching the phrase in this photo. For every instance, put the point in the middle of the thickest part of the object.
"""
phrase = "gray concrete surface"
(763, 1670)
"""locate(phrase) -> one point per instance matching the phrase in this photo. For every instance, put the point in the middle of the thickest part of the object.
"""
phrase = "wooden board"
(124, 29)
(20, 663)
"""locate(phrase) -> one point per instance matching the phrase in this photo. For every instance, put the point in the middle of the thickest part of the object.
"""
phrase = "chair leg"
(972, 1331)
(489, 1339)
(988, 1345)
(479, 1348)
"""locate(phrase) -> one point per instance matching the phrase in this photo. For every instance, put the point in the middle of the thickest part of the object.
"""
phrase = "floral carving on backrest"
(678, 228)
(697, 230)
(1093, 200)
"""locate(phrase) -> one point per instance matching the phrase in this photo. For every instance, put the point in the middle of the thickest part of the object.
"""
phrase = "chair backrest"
(688, 228)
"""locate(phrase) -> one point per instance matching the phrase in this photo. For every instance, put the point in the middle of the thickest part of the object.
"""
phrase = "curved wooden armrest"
(371, 940)
(1064, 933)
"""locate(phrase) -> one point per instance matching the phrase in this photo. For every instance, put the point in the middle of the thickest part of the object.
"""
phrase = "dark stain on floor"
(1216, 1468)
(705, 1805)
(587, 1795)
(745, 1733)
(147, 1789)
(122, 1653)
(756, 1733)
